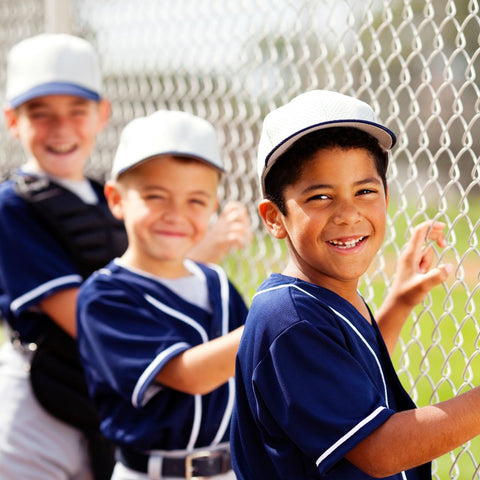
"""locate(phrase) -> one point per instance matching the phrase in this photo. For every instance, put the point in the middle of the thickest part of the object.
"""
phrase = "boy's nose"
(58, 122)
(345, 213)
(173, 212)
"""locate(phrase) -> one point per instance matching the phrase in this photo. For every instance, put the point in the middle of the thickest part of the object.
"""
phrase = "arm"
(414, 437)
(61, 308)
(231, 231)
(204, 367)
(413, 279)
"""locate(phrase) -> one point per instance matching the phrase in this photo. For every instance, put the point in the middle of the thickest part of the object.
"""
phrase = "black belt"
(200, 463)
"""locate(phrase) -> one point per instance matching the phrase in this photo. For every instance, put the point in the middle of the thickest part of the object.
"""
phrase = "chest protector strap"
(90, 234)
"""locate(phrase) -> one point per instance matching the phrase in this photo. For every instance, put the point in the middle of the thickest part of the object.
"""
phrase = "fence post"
(58, 16)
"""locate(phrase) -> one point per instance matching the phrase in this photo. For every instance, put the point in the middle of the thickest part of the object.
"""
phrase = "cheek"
(135, 212)
(28, 134)
(201, 221)
(380, 220)
(87, 133)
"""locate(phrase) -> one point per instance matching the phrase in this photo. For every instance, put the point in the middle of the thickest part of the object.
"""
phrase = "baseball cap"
(166, 132)
(52, 64)
(310, 111)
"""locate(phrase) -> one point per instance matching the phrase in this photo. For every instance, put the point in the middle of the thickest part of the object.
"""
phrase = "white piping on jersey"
(178, 315)
(45, 287)
(197, 416)
(197, 419)
(370, 349)
(373, 414)
(150, 370)
(362, 338)
(349, 434)
(224, 295)
(227, 414)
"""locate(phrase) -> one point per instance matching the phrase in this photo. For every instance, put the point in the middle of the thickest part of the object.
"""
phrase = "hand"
(231, 231)
(414, 276)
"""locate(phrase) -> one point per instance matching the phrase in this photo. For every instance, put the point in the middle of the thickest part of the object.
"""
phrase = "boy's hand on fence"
(414, 276)
(231, 231)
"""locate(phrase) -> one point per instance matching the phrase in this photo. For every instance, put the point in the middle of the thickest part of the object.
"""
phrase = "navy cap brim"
(54, 88)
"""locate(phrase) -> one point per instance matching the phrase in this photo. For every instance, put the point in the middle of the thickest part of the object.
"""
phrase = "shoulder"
(107, 276)
(14, 210)
(286, 290)
(101, 282)
(8, 195)
(285, 301)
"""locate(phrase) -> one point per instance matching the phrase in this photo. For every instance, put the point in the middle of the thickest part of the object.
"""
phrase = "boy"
(57, 229)
(317, 394)
(158, 333)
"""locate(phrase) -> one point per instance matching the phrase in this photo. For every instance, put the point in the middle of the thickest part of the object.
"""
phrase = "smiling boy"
(317, 394)
(58, 132)
(55, 108)
(158, 333)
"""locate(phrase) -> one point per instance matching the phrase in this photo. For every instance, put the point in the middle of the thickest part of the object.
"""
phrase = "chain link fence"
(230, 61)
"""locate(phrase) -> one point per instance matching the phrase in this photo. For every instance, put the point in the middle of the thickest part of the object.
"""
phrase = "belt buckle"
(189, 459)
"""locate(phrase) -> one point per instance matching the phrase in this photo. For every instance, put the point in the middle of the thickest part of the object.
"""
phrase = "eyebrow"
(150, 188)
(39, 103)
(324, 186)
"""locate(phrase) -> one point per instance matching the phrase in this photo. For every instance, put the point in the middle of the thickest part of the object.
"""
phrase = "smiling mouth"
(348, 244)
(61, 150)
(168, 233)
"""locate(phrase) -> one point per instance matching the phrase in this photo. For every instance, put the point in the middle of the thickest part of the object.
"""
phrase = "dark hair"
(288, 167)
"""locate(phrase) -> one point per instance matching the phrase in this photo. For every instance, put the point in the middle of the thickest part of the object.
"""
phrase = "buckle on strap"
(191, 457)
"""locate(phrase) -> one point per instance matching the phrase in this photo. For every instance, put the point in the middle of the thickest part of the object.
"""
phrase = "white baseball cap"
(52, 64)
(166, 132)
(310, 111)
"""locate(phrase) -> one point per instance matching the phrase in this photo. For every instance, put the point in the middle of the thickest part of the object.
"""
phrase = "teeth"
(350, 244)
(62, 149)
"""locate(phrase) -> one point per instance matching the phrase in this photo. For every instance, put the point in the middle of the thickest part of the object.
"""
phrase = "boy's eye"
(38, 114)
(79, 111)
(366, 191)
(198, 201)
(318, 196)
(154, 196)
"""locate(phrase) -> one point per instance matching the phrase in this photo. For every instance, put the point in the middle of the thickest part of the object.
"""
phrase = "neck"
(164, 269)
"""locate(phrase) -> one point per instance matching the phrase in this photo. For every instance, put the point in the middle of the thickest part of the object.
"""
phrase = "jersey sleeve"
(310, 388)
(122, 342)
(33, 264)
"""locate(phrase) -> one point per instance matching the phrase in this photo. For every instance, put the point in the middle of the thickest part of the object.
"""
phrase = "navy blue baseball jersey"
(33, 264)
(313, 379)
(129, 326)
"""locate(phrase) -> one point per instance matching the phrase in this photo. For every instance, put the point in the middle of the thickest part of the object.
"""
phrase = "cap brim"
(116, 174)
(54, 88)
(386, 139)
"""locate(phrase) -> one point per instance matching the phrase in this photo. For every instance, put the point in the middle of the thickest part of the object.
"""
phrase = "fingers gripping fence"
(232, 61)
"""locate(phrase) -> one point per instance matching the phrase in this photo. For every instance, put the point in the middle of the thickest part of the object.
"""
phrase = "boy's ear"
(272, 218)
(11, 121)
(114, 199)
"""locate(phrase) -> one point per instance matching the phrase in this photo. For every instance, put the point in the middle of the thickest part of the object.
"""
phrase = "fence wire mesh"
(231, 61)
